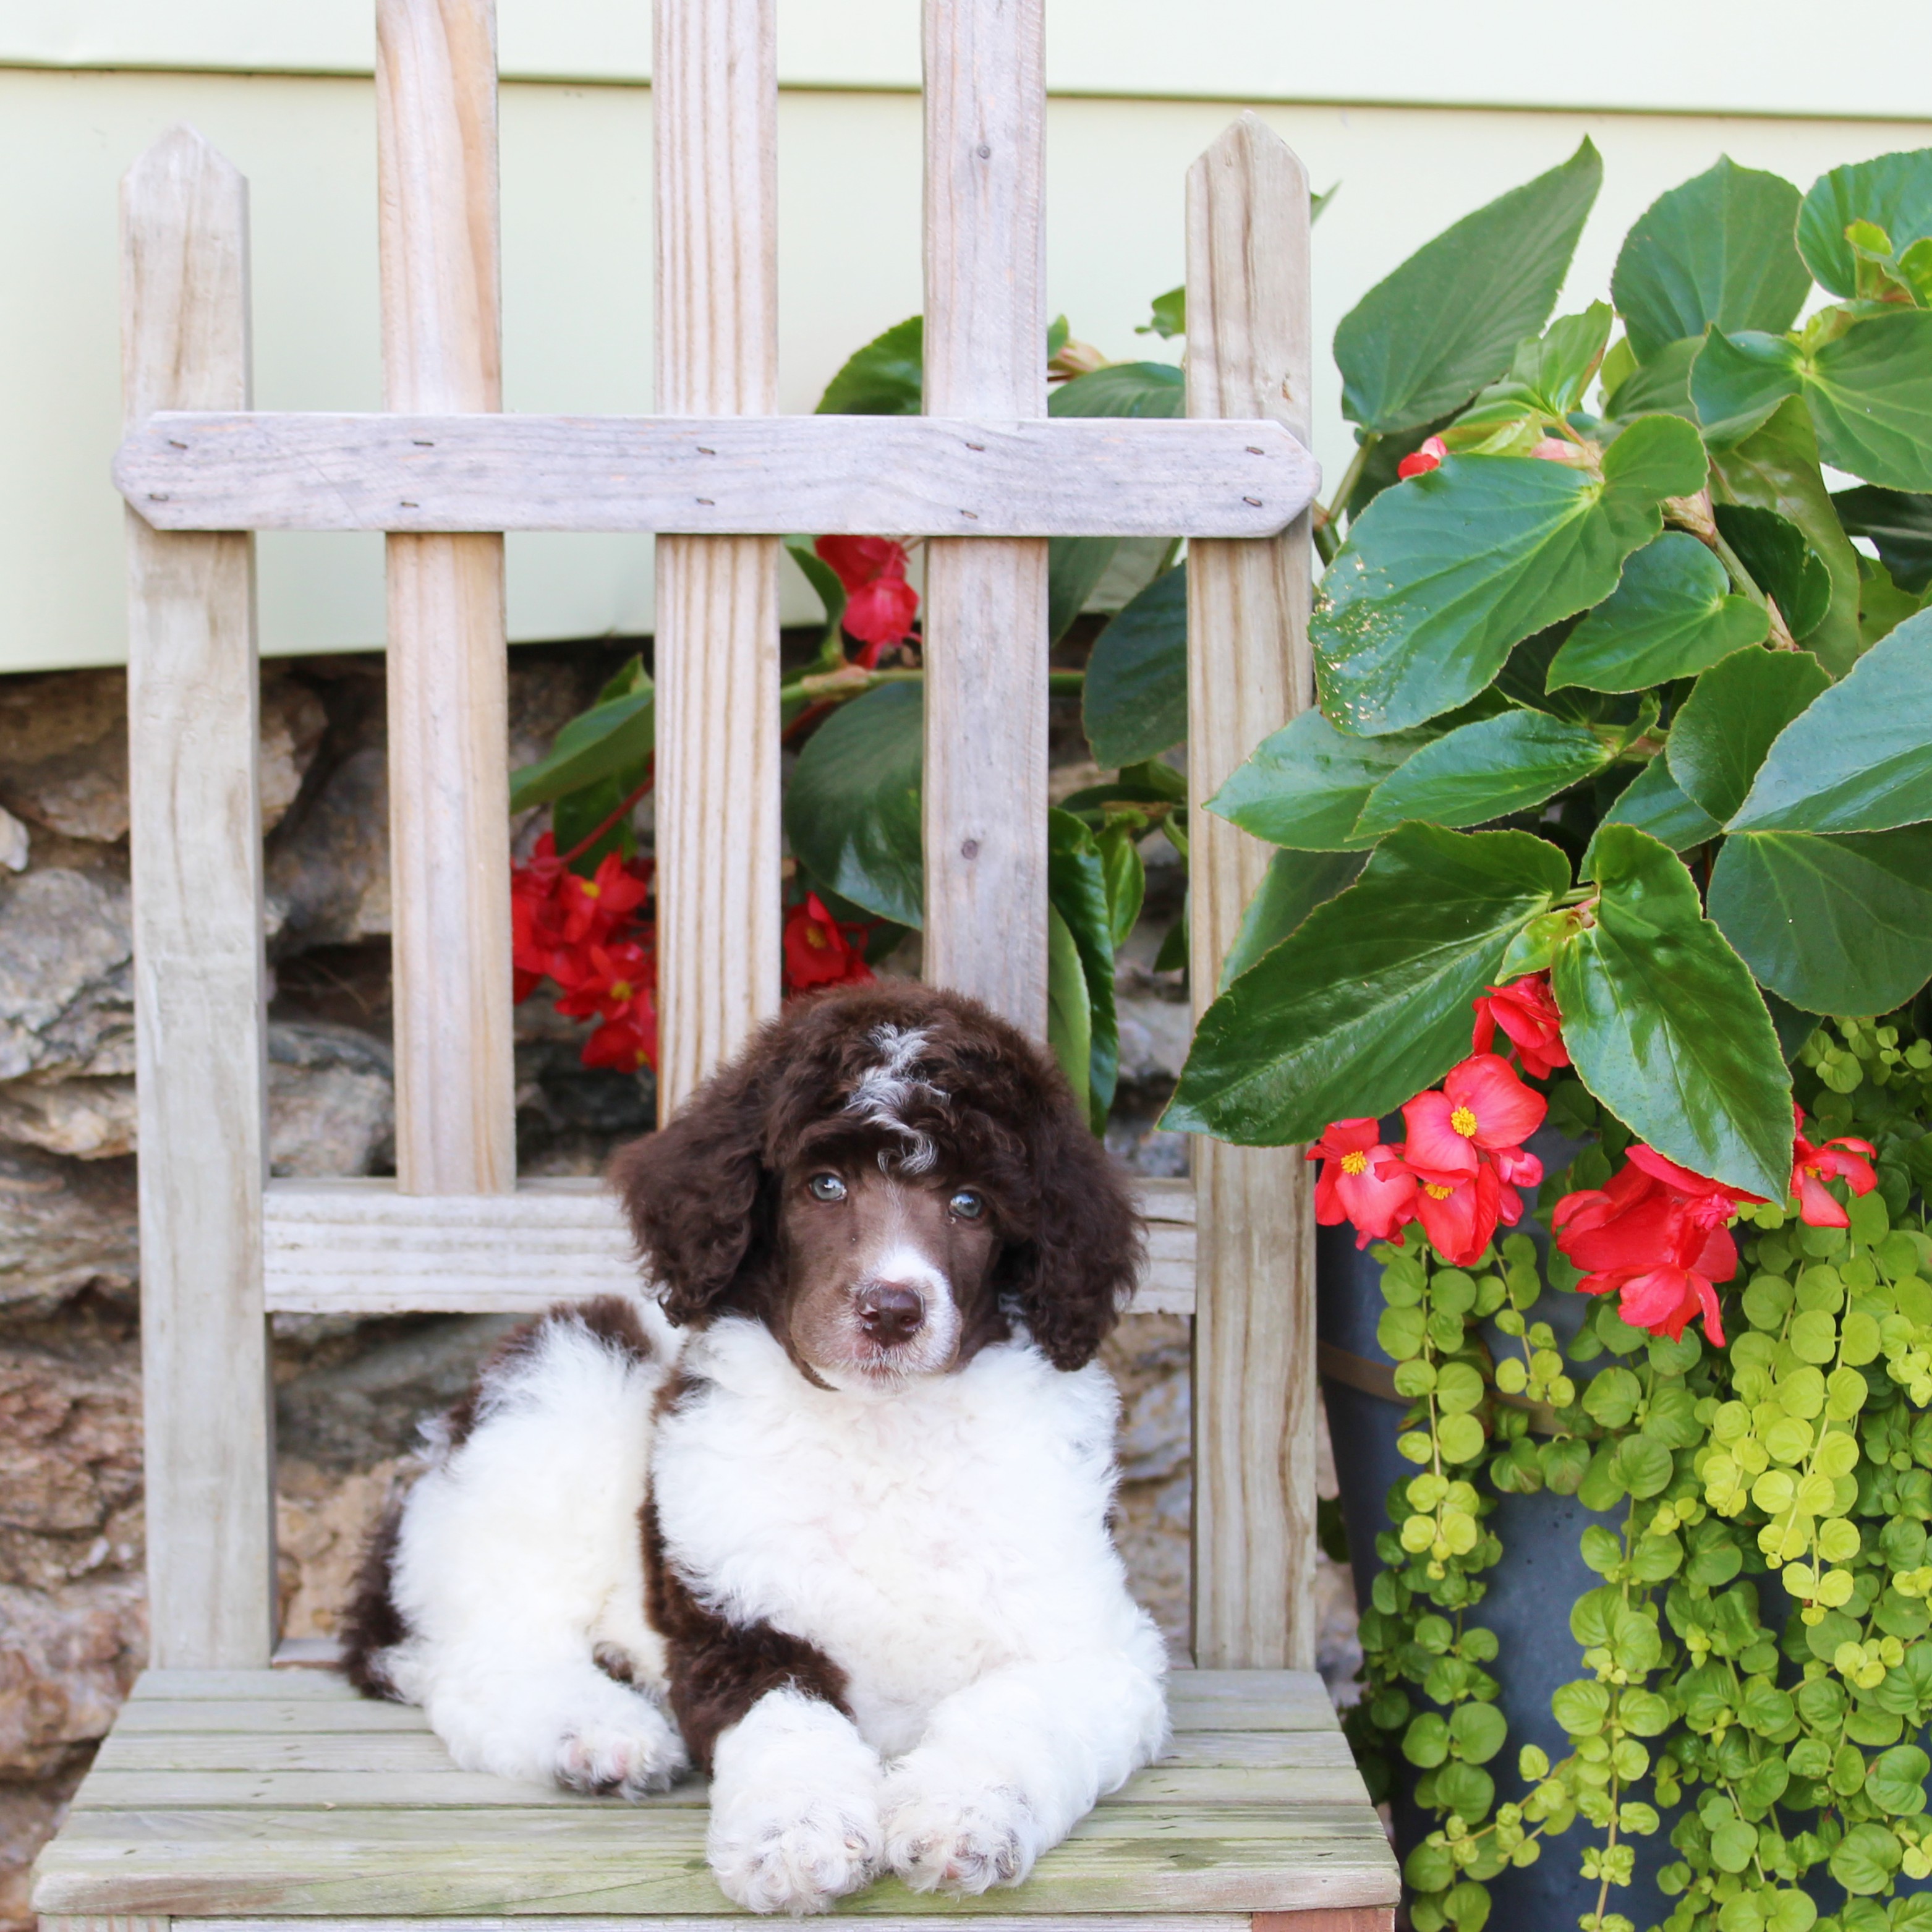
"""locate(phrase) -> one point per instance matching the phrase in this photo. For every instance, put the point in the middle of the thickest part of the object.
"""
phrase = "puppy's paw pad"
(960, 1841)
(797, 1859)
(629, 1755)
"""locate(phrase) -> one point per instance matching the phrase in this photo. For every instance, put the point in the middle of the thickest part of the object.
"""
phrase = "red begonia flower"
(1658, 1236)
(627, 1041)
(857, 561)
(1419, 462)
(593, 907)
(818, 951)
(1361, 1182)
(1459, 1219)
(1482, 1105)
(604, 980)
(880, 614)
(1841, 1159)
(880, 603)
(1526, 1012)
(1661, 1299)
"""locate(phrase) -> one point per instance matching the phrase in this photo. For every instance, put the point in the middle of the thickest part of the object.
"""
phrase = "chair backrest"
(222, 1246)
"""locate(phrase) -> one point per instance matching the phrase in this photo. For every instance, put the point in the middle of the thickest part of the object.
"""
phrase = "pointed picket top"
(185, 278)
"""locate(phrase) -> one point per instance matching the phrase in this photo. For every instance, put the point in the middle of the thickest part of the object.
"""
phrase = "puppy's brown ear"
(691, 1192)
(1069, 1283)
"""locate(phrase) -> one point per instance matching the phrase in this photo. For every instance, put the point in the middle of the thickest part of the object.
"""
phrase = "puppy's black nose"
(889, 1312)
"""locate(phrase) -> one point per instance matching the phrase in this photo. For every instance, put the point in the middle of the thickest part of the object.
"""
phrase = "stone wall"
(349, 1393)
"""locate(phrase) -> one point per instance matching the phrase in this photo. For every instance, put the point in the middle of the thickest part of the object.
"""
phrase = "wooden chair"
(232, 1792)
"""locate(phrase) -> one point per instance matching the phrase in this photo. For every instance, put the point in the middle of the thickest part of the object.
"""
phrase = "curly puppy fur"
(702, 1196)
(843, 1543)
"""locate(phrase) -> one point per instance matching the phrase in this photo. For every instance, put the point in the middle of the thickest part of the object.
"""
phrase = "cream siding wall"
(85, 84)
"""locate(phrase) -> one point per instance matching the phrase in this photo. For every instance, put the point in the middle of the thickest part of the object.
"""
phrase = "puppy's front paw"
(629, 1748)
(963, 1839)
(795, 1855)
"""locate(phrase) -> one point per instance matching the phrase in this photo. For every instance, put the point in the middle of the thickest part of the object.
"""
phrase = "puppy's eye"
(826, 1187)
(967, 1205)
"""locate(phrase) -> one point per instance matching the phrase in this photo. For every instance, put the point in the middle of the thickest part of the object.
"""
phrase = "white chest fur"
(919, 1538)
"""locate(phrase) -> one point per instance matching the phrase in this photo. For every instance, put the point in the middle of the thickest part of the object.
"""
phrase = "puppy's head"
(889, 1178)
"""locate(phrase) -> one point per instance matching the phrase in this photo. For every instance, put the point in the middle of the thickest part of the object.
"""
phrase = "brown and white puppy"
(873, 1585)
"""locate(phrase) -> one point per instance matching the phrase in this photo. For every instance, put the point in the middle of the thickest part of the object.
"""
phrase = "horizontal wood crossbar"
(359, 1247)
(709, 476)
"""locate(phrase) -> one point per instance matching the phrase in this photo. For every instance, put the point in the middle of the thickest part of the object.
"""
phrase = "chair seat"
(266, 1794)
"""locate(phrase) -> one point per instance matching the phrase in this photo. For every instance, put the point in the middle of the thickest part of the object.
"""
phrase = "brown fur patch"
(372, 1622)
(703, 1193)
(717, 1671)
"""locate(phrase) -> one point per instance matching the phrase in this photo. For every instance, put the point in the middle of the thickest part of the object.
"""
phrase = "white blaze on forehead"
(880, 1097)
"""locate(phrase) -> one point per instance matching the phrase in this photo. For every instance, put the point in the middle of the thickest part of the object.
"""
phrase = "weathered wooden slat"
(205, 1862)
(444, 1788)
(984, 785)
(449, 859)
(913, 475)
(714, 106)
(196, 853)
(1248, 353)
(345, 1247)
(420, 1752)
(532, 1922)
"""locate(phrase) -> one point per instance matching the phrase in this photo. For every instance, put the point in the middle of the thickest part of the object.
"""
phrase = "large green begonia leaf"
(1899, 525)
(1737, 381)
(1777, 469)
(1134, 705)
(1305, 785)
(1672, 614)
(852, 809)
(1781, 563)
(1654, 803)
(1076, 885)
(1148, 390)
(1425, 338)
(1664, 1026)
(1835, 925)
(1294, 884)
(1871, 395)
(1858, 758)
(617, 735)
(1441, 577)
(1720, 737)
(1662, 384)
(1485, 770)
(885, 378)
(1367, 1001)
(1069, 1012)
(1893, 190)
(1718, 251)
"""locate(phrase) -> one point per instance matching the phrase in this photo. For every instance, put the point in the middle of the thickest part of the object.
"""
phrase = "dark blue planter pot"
(1530, 1592)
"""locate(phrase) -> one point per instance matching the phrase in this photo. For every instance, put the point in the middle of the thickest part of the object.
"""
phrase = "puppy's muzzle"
(890, 1312)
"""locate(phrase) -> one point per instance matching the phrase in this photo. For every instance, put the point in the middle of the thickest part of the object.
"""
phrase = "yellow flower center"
(814, 935)
(1435, 1193)
(1464, 1121)
(620, 989)
(591, 890)
(1354, 1163)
